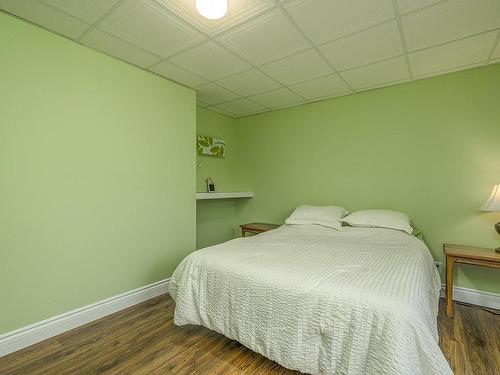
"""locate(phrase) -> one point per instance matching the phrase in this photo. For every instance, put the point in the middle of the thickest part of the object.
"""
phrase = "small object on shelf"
(210, 185)
(467, 255)
(257, 228)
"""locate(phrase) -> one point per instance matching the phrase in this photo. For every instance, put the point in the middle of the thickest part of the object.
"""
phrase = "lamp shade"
(493, 202)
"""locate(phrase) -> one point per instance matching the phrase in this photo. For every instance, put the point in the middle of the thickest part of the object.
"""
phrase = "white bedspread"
(317, 300)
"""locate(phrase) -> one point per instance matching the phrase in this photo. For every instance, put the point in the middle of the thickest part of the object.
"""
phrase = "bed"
(319, 300)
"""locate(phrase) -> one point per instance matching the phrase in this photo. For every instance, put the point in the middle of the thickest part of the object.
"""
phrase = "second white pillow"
(379, 219)
(327, 216)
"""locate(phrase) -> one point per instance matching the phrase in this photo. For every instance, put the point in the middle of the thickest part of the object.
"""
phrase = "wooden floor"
(144, 340)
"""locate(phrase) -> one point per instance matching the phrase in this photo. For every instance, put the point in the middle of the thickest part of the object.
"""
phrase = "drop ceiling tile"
(264, 38)
(300, 67)
(449, 21)
(323, 87)
(406, 6)
(241, 107)
(210, 61)
(238, 11)
(213, 94)
(148, 25)
(453, 55)
(325, 20)
(220, 110)
(89, 10)
(378, 74)
(177, 74)
(113, 46)
(277, 98)
(375, 44)
(249, 83)
(45, 16)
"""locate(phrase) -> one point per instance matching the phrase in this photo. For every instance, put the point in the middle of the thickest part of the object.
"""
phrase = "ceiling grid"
(270, 54)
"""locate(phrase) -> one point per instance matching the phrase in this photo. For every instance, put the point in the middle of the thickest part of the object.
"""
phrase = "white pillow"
(379, 219)
(327, 216)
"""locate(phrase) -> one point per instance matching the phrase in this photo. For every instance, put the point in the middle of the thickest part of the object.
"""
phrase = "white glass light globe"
(212, 9)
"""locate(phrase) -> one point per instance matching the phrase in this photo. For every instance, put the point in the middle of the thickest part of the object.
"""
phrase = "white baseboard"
(29, 335)
(474, 297)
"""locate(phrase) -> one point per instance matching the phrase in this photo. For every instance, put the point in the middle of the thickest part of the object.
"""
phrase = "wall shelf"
(226, 195)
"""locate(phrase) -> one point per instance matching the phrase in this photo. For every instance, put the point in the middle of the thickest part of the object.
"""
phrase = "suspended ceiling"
(270, 54)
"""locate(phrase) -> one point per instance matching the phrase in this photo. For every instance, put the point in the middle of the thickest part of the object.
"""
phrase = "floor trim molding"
(29, 335)
(34, 333)
(474, 297)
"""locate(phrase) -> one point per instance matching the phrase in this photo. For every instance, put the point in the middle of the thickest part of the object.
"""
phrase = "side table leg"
(449, 286)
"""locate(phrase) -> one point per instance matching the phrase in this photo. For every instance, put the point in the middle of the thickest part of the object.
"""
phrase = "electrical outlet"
(439, 266)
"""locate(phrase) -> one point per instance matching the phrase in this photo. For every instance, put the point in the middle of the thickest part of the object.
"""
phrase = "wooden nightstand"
(256, 228)
(468, 255)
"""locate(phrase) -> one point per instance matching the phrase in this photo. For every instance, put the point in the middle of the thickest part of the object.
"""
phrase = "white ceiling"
(269, 54)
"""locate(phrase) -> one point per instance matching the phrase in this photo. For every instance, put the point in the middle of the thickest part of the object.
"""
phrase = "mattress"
(318, 300)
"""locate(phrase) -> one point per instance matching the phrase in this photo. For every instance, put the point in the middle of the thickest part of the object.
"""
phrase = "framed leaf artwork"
(211, 146)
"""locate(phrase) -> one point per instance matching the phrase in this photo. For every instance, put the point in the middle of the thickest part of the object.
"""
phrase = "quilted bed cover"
(318, 300)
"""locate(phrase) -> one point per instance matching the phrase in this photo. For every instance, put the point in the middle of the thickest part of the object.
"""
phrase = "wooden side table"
(256, 228)
(467, 255)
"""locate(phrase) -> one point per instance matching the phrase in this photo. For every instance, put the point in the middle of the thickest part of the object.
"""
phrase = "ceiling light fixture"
(212, 9)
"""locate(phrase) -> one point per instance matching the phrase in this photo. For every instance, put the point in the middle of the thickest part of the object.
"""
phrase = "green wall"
(97, 175)
(216, 219)
(428, 148)
(97, 169)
